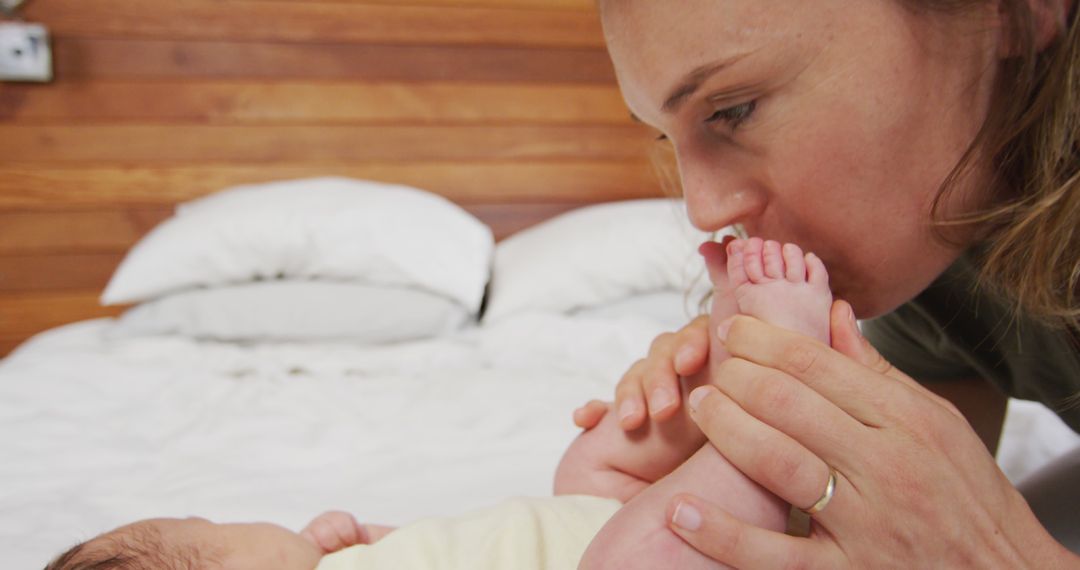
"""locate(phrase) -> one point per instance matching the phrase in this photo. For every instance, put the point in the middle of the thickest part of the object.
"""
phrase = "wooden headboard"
(508, 107)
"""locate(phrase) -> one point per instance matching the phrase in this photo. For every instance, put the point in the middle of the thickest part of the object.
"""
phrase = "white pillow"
(595, 256)
(324, 228)
(671, 309)
(296, 311)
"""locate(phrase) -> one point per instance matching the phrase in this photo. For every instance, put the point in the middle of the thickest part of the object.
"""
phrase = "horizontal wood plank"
(9, 342)
(26, 314)
(315, 21)
(172, 143)
(298, 102)
(49, 187)
(62, 272)
(42, 233)
(135, 58)
(103, 231)
(580, 5)
(507, 219)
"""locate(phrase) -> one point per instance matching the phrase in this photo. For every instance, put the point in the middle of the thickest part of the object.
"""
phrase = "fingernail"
(660, 399)
(626, 410)
(723, 328)
(698, 395)
(686, 516)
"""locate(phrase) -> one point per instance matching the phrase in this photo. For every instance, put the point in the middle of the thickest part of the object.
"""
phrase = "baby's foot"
(723, 300)
(780, 285)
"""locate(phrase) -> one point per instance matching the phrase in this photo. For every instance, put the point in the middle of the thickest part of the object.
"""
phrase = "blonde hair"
(1031, 247)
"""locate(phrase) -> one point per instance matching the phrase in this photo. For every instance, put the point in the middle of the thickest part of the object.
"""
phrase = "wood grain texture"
(49, 187)
(44, 233)
(98, 231)
(294, 102)
(25, 314)
(507, 219)
(508, 107)
(318, 22)
(580, 5)
(57, 272)
(83, 58)
(10, 341)
(165, 143)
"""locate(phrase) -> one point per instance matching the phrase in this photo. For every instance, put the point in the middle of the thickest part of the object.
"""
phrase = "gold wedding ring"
(830, 489)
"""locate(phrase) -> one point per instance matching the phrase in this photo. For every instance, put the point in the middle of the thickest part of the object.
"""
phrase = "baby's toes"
(736, 266)
(752, 259)
(772, 260)
(794, 263)
(815, 271)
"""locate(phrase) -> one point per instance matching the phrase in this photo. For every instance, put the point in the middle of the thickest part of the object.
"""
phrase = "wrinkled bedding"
(96, 431)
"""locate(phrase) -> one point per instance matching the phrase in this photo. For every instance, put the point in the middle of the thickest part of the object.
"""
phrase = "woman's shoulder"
(957, 329)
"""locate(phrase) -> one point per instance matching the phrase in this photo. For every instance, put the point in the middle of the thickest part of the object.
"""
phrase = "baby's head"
(192, 544)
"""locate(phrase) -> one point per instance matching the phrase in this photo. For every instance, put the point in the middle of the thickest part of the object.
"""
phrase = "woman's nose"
(719, 194)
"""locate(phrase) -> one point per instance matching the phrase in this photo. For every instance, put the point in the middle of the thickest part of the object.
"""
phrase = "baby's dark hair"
(135, 549)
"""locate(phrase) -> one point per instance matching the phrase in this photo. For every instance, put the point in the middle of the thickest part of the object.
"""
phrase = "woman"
(919, 148)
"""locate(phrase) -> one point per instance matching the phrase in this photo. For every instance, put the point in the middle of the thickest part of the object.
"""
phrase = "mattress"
(97, 431)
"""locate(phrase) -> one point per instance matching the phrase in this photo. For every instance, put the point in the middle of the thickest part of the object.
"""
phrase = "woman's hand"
(915, 487)
(651, 386)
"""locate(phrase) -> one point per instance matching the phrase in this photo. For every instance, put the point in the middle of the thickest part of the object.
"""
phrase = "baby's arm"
(608, 461)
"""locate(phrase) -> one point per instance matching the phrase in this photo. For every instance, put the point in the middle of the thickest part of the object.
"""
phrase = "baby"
(586, 521)
(196, 543)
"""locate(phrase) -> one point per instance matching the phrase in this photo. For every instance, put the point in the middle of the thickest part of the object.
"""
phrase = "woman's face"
(827, 123)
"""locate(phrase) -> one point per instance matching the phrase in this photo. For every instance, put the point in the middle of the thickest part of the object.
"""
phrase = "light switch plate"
(25, 54)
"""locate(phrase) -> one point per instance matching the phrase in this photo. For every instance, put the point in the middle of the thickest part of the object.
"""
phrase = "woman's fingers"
(682, 353)
(726, 539)
(848, 340)
(692, 347)
(629, 401)
(917, 489)
(773, 459)
(661, 387)
(780, 401)
(849, 385)
(651, 387)
(588, 416)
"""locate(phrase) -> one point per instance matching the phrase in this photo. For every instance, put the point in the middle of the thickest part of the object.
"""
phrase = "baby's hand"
(651, 386)
(335, 530)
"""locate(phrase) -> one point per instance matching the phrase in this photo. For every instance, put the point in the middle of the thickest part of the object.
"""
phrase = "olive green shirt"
(952, 332)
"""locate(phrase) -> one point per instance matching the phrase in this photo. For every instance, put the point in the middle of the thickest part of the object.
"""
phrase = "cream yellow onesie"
(520, 534)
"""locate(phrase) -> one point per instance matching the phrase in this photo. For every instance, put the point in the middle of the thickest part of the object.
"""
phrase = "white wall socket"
(25, 54)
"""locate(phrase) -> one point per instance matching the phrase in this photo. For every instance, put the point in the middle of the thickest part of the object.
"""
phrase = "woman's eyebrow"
(694, 80)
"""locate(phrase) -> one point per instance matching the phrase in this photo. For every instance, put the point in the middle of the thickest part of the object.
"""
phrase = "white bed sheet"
(95, 433)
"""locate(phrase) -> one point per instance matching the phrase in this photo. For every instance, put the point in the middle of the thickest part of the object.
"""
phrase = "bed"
(339, 344)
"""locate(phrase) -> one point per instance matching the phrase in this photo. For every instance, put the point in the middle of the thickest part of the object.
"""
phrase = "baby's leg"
(779, 285)
(638, 537)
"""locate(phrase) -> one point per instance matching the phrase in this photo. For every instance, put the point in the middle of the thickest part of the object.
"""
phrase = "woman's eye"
(734, 116)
